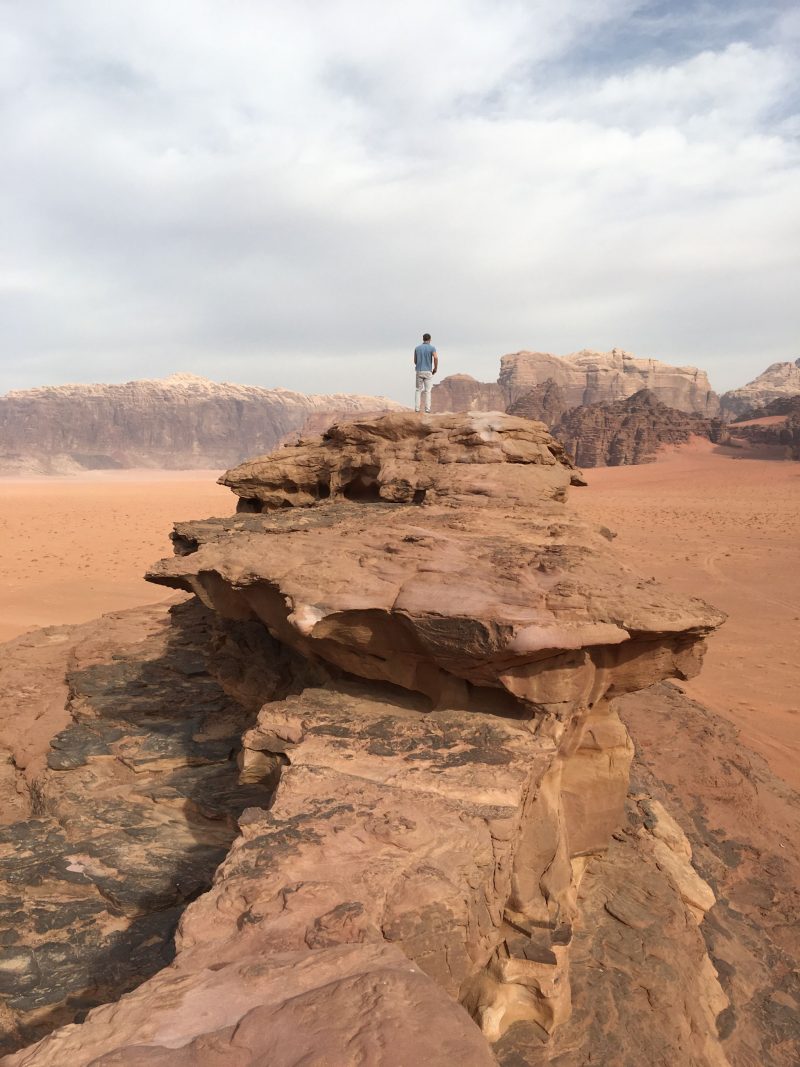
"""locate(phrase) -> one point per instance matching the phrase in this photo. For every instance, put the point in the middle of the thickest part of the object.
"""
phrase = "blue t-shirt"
(423, 356)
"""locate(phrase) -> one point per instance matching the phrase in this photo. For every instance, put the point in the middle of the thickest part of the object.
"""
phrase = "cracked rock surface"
(421, 885)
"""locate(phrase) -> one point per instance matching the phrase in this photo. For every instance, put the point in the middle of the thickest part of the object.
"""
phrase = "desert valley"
(488, 720)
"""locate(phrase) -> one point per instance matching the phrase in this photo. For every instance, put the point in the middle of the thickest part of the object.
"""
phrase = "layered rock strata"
(179, 422)
(628, 431)
(585, 377)
(774, 429)
(136, 806)
(778, 381)
(444, 782)
(544, 403)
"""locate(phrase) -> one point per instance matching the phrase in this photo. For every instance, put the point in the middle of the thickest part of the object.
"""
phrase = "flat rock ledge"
(411, 893)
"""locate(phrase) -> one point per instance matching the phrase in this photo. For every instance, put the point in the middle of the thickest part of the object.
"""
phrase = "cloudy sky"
(288, 192)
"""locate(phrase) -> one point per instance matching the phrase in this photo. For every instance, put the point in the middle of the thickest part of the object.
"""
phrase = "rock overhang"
(490, 587)
(439, 824)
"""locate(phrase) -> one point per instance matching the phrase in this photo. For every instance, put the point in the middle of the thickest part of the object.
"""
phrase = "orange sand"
(711, 524)
(73, 548)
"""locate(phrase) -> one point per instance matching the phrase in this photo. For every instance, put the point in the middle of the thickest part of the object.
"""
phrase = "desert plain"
(709, 523)
(702, 519)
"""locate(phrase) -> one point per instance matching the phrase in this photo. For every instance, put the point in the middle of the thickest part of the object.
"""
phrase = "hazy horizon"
(402, 397)
(289, 195)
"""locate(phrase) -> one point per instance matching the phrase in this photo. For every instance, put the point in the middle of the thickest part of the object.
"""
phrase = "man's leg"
(428, 387)
(418, 391)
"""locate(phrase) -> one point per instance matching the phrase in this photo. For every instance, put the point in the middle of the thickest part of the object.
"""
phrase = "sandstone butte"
(585, 377)
(433, 648)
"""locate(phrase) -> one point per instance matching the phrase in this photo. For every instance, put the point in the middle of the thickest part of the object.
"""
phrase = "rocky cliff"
(628, 431)
(431, 650)
(179, 422)
(773, 430)
(778, 381)
(582, 378)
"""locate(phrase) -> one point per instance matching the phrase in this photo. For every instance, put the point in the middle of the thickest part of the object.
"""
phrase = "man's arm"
(435, 361)
(414, 357)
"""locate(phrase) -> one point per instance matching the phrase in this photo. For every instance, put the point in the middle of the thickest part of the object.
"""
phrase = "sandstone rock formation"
(102, 847)
(462, 392)
(543, 403)
(179, 422)
(437, 647)
(584, 377)
(742, 824)
(778, 381)
(628, 431)
(773, 430)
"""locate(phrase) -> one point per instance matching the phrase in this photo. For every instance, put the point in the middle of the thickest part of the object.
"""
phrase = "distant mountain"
(582, 378)
(628, 431)
(178, 422)
(778, 380)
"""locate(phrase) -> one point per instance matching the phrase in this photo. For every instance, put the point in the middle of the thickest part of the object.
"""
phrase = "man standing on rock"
(426, 362)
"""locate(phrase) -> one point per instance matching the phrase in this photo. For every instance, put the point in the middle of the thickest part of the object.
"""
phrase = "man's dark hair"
(426, 337)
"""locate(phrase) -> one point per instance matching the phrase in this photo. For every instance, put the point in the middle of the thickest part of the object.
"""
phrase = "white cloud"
(289, 193)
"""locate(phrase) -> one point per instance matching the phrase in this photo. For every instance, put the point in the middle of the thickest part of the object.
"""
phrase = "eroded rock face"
(407, 459)
(628, 431)
(778, 381)
(462, 392)
(587, 377)
(773, 430)
(135, 808)
(446, 778)
(180, 422)
(543, 403)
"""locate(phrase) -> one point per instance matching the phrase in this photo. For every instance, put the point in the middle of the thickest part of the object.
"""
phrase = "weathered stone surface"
(628, 431)
(587, 377)
(643, 988)
(408, 459)
(773, 429)
(136, 809)
(448, 646)
(178, 422)
(743, 825)
(344, 1004)
(462, 392)
(524, 607)
(778, 381)
(543, 403)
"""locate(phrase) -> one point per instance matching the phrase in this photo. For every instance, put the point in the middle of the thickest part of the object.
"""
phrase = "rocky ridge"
(448, 767)
(628, 431)
(585, 377)
(179, 422)
(778, 381)
(773, 429)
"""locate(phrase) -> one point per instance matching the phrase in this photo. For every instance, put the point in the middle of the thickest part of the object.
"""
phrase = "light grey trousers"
(424, 384)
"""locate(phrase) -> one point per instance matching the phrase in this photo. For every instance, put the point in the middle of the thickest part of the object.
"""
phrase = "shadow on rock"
(138, 807)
